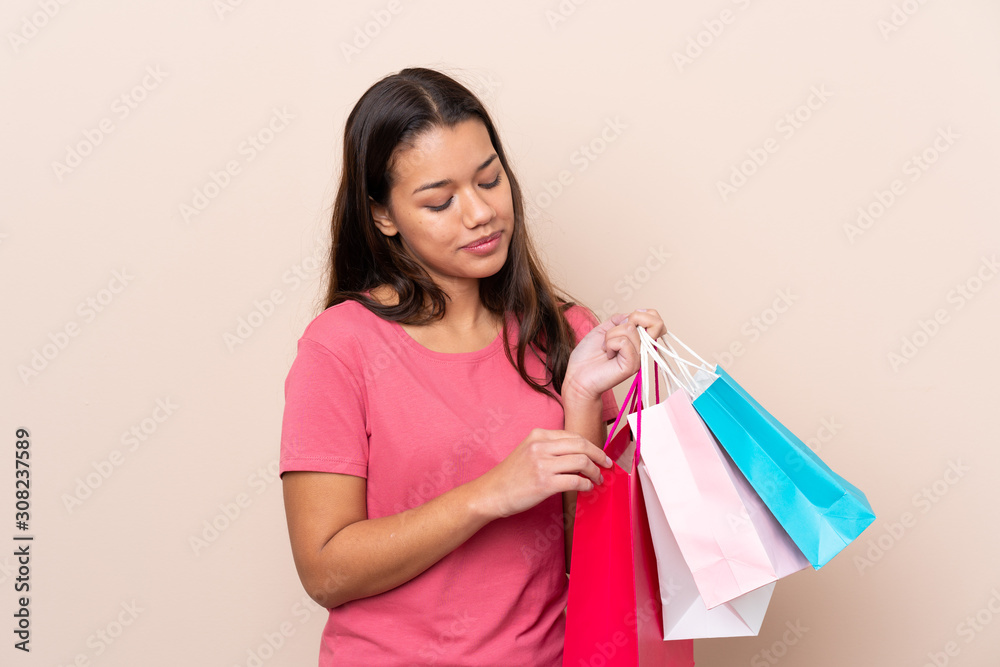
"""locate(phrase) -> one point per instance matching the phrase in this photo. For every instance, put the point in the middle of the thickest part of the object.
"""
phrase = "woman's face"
(450, 203)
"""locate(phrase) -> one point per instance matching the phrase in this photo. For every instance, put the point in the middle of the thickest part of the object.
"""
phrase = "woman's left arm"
(604, 358)
(583, 416)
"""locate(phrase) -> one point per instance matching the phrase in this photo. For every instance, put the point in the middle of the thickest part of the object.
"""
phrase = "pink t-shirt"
(364, 398)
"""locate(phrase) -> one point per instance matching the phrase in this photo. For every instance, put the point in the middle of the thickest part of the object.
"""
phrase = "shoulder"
(342, 328)
(581, 319)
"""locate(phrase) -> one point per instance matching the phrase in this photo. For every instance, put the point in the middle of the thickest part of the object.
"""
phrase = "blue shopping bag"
(820, 510)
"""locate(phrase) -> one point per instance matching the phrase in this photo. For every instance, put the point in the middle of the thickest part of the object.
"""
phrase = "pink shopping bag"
(685, 615)
(730, 542)
(718, 550)
(613, 615)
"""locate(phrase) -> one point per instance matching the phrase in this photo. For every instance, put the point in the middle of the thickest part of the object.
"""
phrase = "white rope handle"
(685, 366)
(645, 356)
(694, 354)
(703, 377)
(649, 352)
(682, 363)
(670, 358)
(649, 348)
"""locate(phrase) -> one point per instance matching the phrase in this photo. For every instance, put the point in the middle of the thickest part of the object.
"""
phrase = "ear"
(382, 217)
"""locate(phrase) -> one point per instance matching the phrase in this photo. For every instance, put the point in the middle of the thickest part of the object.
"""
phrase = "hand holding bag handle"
(820, 510)
(640, 397)
(665, 353)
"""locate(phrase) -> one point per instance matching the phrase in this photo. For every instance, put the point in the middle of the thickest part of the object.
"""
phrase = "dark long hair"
(390, 115)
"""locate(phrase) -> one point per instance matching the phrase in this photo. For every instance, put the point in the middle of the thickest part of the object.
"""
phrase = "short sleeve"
(582, 320)
(323, 428)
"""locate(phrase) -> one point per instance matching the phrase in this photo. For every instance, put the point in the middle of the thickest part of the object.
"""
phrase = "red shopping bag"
(614, 615)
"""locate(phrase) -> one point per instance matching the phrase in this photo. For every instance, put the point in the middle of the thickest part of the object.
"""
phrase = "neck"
(464, 309)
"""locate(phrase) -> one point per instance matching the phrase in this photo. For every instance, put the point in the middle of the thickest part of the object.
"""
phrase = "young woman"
(445, 408)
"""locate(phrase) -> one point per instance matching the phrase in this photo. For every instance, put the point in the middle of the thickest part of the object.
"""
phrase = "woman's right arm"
(342, 555)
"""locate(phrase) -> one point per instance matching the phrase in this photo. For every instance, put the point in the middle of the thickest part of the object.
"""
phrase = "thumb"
(626, 351)
(628, 356)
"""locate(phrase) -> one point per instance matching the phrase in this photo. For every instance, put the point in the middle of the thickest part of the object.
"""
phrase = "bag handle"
(656, 385)
(670, 357)
(648, 353)
(683, 365)
(694, 354)
(662, 362)
(665, 347)
(627, 408)
(705, 369)
(661, 355)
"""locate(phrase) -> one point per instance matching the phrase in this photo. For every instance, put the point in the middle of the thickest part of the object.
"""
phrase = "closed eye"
(485, 186)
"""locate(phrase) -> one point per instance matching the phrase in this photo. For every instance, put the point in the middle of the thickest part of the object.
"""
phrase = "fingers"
(625, 326)
(570, 458)
(579, 464)
(648, 319)
(548, 461)
(574, 483)
(623, 340)
(579, 461)
(567, 442)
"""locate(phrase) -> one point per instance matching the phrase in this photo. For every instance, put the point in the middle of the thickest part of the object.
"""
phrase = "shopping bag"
(730, 542)
(784, 554)
(685, 615)
(820, 510)
(704, 532)
(613, 615)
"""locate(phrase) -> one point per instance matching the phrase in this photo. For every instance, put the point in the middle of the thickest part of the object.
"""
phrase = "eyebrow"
(439, 184)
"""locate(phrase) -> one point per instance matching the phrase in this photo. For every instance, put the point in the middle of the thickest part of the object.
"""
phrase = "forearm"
(584, 417)
(372, 556)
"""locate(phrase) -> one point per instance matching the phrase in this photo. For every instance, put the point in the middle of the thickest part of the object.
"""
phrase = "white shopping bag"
(685, 615)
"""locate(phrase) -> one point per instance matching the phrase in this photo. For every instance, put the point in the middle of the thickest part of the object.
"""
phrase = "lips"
(483, 241)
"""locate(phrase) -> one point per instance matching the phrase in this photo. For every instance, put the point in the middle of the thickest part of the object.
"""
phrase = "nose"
(476, 210)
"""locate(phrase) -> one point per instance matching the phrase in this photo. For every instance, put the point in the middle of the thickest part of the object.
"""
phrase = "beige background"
(814, 308)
